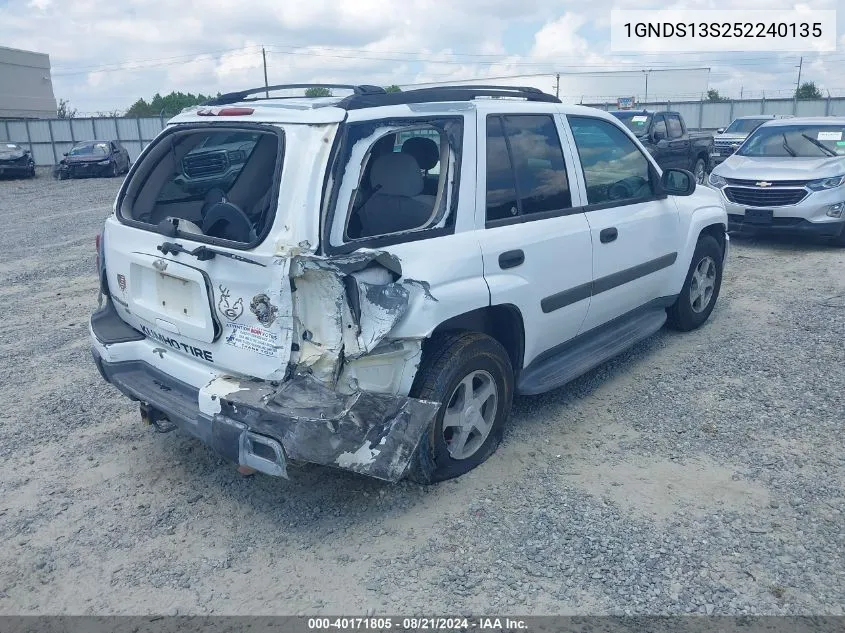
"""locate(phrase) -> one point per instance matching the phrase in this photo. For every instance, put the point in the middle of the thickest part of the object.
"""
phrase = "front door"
(634, 232)
(536, 241)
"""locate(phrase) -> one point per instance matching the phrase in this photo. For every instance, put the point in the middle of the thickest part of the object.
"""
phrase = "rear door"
(679, 145)
(211, 290)
(635, 233)
(536, 242)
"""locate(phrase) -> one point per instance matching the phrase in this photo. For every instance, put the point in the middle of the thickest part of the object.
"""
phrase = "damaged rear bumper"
(263, 425)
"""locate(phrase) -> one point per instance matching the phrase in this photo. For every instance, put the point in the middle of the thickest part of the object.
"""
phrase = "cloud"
(107, 54)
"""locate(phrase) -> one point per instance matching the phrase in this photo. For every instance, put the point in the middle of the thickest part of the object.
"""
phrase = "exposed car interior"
(401, 183)
(213, 183)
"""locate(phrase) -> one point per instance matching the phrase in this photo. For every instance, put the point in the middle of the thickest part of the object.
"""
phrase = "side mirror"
(662, 143)
(677, 182)
(65, 154)
(658, 136)
(26, 151)
(720, 130)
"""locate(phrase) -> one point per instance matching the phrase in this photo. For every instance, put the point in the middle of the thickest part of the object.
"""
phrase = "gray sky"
(107, 54)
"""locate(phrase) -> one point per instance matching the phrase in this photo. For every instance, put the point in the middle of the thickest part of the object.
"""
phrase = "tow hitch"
(155, 418)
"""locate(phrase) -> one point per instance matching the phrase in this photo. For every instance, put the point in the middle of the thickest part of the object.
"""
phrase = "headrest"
(424, 150)
(397, 174)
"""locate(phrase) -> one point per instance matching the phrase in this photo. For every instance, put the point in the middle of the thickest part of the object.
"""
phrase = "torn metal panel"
(345, 306)
(368, 433)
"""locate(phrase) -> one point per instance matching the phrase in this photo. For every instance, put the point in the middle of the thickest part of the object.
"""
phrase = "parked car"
(16, 161)
(788, 177)
(666, 137)
(324, 309)
(94, 158)
(729, 139)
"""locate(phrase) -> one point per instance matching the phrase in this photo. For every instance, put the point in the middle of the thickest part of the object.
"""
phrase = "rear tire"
(471, 376)
(699, 170)
(701, 287)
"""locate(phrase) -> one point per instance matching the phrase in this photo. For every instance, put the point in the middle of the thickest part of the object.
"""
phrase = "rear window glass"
(213, 183)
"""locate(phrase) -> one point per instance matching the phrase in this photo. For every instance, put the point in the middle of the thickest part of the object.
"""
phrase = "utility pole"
(264, 57)
(557, 85)
(646, 84)
(798, 83)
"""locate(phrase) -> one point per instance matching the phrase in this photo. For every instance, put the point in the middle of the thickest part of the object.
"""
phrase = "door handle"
(511, 259)
(608, 235)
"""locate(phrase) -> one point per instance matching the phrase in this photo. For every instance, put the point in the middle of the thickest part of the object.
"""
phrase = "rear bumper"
(787, 226)
(262, 425)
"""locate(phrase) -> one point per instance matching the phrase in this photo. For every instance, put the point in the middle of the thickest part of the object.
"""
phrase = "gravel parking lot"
(698, 473)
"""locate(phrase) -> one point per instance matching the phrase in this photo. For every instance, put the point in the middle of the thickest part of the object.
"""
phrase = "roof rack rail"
(242, 95)
(443, 93)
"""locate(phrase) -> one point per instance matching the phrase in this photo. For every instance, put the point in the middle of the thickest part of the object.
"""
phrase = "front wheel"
(701, 288)
(700, 171)
(471, 376)
(115, 172)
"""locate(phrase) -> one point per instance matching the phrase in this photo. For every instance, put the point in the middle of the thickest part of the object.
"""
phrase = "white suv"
(386, 270)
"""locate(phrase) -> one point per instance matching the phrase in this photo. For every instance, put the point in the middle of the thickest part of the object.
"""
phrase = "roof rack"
(243, 95)
(364, 96)
(443, 93)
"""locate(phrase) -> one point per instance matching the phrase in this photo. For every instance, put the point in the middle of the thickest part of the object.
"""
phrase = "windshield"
(744, 126)
(637, 122)
(89, 149)
(802, 141)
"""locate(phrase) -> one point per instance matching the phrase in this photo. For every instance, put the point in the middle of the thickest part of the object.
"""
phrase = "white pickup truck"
(384, 271)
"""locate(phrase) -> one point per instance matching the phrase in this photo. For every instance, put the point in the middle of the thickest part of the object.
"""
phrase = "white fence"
(710, 115)
(49, 139)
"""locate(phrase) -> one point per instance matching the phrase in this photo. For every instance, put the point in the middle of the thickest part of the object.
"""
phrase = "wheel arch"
(501, 322)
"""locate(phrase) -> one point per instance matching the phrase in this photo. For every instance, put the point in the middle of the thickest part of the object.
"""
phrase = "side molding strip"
(579, 293)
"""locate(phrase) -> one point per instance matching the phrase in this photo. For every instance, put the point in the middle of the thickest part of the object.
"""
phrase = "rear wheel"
(471, 376)
(701, 287)
(700, 171)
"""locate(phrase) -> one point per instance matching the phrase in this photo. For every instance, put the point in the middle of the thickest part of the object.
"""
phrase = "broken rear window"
(214, 184)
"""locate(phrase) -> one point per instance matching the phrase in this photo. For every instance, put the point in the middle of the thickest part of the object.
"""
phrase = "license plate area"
(176, 296)
(758, 216)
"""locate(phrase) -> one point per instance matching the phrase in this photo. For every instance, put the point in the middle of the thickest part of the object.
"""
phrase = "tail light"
(101, 263)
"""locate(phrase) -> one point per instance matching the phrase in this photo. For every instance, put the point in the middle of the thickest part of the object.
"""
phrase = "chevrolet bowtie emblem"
(763, 183)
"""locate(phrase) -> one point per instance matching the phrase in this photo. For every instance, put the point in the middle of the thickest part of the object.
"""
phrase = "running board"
(555, 368)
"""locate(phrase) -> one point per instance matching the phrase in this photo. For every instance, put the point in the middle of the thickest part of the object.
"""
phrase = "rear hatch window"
(210, 183)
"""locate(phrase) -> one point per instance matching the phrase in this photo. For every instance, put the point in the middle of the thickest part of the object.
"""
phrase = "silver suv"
(788, 176)
(728, 139)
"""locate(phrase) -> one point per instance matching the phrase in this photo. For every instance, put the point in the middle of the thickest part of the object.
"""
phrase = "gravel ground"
(698, 473)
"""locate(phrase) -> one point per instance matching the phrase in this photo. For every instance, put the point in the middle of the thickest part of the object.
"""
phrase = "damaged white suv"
(365, 281)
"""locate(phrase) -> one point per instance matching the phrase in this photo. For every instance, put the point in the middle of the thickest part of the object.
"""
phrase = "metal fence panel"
(83, 129)
(127, 130)
(134, 148)
(42, 153)
(39, 132)
(779, 106)
(149, 128)
(716, 115)
(837, 107)
(105, 129)
(746, 108)
(810, 108)
(61, 130)
(17, 132)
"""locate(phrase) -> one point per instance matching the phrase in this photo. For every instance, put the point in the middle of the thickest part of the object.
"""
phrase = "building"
(26, 88)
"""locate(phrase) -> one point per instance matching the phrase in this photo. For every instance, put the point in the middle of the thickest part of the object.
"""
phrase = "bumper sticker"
(253, 339)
